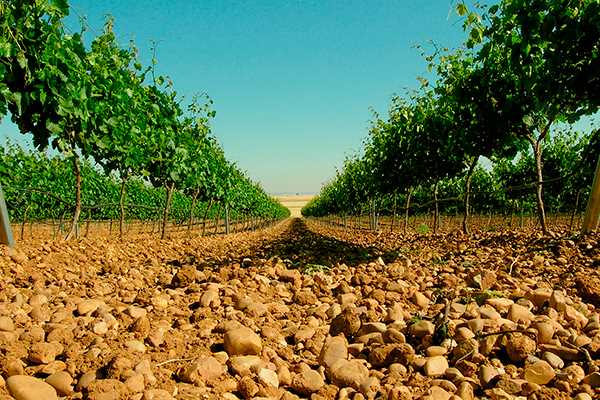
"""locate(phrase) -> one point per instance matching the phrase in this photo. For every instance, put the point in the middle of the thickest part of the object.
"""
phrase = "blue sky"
(292, 81)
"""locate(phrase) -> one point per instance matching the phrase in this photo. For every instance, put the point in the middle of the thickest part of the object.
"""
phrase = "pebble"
(334, 349)
(422, 328)
(539, 372)
(420, 300)
(244, 365)
(268, 377)
(592, 379)
(435, 366)
(518, 313)
(88, 306)
(554, 360)
(348, 373)
(135, 383)
(62, 382)
(307, 382)
(242, 341)
(487, 373)
(573, 374)
(6, 324)
(519, 347)
(136, 346)
(44, 353)
(23, 387)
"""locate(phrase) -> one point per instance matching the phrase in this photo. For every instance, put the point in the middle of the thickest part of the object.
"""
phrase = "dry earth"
(302, 310)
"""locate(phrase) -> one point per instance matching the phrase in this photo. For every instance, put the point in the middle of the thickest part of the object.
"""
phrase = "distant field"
(295, 203)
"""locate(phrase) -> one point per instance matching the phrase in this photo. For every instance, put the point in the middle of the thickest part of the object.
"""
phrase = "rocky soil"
(302, 310)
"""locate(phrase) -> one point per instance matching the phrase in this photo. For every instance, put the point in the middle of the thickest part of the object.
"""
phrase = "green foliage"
(422, 229)
(99, 104)
(37, 187)
(524, 67)
(311, 269)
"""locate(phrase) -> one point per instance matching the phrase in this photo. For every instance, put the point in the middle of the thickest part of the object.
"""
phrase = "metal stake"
(6, 236)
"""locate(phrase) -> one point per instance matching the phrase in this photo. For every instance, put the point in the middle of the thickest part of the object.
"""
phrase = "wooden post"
(6, 236)
(227, 219)
(592, 212)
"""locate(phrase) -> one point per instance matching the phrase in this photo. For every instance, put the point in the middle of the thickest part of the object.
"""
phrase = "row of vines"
(527, 72)
(126, 141)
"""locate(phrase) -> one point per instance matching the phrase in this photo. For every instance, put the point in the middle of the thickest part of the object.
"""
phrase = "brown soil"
(405, 306)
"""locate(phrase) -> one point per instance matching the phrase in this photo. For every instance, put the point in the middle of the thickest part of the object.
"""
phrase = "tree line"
(524, 69)
(100, 103)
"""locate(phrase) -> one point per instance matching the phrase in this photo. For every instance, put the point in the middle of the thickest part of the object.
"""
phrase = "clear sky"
(292, 81)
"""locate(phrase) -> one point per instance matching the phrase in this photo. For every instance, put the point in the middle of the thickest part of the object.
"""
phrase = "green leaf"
(55, 129)
(60, 6)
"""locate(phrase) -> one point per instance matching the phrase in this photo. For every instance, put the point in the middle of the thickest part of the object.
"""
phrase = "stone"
(284, 375)
(23, 387)
(539, 372)
(436, 351)
(347, 322)
(582, 396)
(465, 391)
(540, 295)
(136, 312)
(184, 277)
(420, 300)
(392, 335)
(370, 387)
(242, 341)
(558, 300)
(435, 366)
(44, 353)
(307, 382)
(476, 324)
(210, 298)
(290, 275)
(518, 313)
(62, 382)
(463, 333)
(244, 365)
(334, 349)
(510, 385)
(102, 389)
(88, 306)
(371, 327)
(202, 370)
(14, 367)
(592, 379)
(519, 347)
(135, 346)
(157, 394)
(545, 331)
(554, 360)
(487, 373)
(100, 328)
(348, 373)
(268, 377)
(438, 393)
(303, 334)
(84, 380)
(572, 374)
(501, 304)
(566, 353)
(422, 328)
(6, 324)
(135, 383)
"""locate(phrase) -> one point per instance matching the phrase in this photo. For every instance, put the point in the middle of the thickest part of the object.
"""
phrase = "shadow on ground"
(303, 248)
